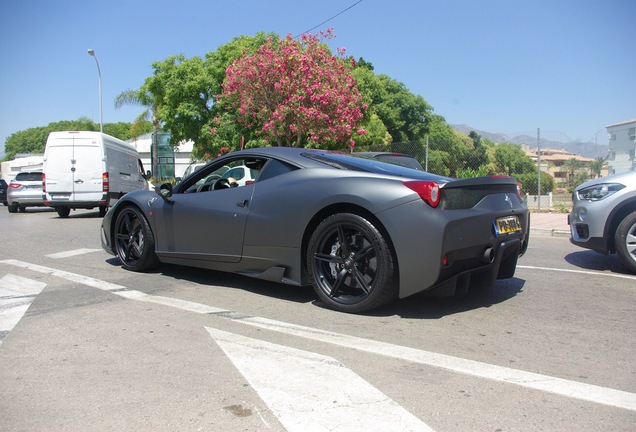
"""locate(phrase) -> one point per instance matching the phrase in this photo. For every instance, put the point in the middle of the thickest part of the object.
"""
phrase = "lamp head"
(91, 52)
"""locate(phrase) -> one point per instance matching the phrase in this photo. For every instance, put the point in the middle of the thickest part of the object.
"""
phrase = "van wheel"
(63, 211)
(102, 211)
(13, 208)
(134, 241)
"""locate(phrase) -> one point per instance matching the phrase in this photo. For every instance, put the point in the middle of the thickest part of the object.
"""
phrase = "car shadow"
(590, 260)
(421, 305)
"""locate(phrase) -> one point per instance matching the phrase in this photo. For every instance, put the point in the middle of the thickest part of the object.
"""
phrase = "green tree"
(185, 92)
(509, 159)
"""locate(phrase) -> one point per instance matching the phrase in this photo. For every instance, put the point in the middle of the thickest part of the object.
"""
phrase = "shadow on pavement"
(590, 260)
(420, 305)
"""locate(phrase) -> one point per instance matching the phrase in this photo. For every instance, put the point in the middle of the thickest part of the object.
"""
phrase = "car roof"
(319, 158)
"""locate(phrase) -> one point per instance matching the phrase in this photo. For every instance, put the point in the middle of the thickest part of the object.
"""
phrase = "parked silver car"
(25, 190)
(603, 216)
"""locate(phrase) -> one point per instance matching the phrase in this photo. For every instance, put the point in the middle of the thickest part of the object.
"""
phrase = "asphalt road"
(88, 346)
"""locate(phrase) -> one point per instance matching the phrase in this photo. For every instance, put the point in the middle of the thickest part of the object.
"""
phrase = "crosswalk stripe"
(309, 391)
(16, 295)
(72, 253)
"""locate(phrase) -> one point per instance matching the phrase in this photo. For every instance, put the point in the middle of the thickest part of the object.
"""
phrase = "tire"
(102, 211)
(63, 212)
(13, 208)
(356, 275)
(625, 241)
(134, 241)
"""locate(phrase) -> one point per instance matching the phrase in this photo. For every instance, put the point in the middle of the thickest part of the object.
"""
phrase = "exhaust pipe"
(489, 255)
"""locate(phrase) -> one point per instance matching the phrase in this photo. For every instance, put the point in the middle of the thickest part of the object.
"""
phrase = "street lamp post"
(99, 76)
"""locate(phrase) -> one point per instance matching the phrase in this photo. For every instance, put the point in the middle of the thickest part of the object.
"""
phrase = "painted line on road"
(84, 280)
(585, 272)
(72, 253)
(306, 390)
(16, 295)
(563, 387)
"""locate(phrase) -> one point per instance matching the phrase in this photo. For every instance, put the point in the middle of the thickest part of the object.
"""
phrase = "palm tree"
(573, 165)
(597, 166)
(145, 99)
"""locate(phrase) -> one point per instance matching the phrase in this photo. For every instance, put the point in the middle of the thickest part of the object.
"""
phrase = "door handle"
(242, 203)
(79, 181)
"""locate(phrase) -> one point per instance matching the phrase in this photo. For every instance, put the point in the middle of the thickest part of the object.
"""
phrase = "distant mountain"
(585, 149)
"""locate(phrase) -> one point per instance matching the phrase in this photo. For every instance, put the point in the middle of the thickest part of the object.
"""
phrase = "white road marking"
(72, 253)
(573, 389)
(16, 295)
(309, 391)
(585, 272)
(559, 386)
(84, 280)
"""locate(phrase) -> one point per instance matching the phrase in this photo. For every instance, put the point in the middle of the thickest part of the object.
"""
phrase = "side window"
(275, 168)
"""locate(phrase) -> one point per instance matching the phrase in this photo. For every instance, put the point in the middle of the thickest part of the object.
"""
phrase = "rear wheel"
(625, 240)
(351, 264)
(63, 211)
(134, 242)
(102, 211)
(13, 208)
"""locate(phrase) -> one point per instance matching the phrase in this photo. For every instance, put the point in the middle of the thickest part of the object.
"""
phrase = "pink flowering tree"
(296, 93)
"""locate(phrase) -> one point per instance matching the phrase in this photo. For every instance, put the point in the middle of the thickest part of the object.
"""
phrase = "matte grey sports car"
(362, 232)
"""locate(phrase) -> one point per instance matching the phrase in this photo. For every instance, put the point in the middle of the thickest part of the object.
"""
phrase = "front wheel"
(625, 240)
(350, 264)
(134, 242)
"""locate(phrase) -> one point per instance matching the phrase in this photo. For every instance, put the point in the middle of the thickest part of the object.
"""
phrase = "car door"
(203, 223)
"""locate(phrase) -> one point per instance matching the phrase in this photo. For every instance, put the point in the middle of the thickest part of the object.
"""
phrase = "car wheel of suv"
(13, 208)
(625, 240)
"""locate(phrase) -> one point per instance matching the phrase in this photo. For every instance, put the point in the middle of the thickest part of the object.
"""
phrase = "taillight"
(43, 183)
(105, 182)
(14, 185)
(519, 189)
(427, 190)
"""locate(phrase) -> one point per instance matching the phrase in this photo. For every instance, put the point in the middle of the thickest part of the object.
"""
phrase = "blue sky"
(567, 67)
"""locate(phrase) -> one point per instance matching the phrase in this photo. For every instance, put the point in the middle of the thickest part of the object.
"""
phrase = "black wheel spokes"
(130, 238)
(354, 276)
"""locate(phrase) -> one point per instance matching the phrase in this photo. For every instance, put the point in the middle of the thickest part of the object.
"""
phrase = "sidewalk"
(554, 224)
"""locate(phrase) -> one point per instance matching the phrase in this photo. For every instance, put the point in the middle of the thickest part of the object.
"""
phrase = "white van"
(88, 170)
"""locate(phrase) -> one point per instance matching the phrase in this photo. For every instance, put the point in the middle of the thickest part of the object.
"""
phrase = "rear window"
(29, 176)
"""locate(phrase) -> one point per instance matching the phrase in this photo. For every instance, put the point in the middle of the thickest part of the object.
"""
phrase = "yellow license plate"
(507, 225)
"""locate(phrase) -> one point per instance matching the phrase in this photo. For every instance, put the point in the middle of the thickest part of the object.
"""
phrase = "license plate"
(59, 197)
(507, 225)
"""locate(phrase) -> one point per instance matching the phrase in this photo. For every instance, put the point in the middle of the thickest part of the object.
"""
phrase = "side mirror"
(165, 191)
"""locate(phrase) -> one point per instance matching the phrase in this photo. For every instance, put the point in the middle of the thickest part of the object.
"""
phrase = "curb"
(550, 232)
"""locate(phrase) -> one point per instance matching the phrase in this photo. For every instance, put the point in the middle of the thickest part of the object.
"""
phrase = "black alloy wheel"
(351, 264)
(134, 242)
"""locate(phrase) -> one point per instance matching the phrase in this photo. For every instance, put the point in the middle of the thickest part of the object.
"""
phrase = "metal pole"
(426, 166)
(99, 78)
(539, 168)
